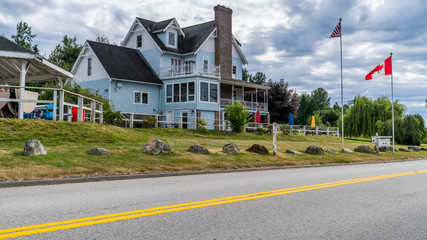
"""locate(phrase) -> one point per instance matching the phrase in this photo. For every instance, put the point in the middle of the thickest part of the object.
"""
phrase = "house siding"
(99, 85)
(123, 98)
(152, 56)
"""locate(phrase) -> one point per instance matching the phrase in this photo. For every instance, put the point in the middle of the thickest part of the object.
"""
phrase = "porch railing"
(192, 70)
(59, 105)
(250, 105)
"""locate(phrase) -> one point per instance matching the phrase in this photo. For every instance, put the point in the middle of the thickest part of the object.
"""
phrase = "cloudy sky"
(286, 39)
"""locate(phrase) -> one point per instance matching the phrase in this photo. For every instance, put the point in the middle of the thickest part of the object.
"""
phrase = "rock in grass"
(423, 149)
(330, 150)
(415, 148)
(34, 147)
(99, 151)
(256, 148)
(315, 150)
(198, 149)
(293, 152)
(364, 149)
(381, 149)
(346, 150)
(157, 147)
(401, 149)
(390, 149)
(230, 148)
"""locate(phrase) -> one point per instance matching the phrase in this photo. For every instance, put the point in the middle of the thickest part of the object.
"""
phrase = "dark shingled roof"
(7, 45)
(161, 25)
(124, 63)
(194, 35)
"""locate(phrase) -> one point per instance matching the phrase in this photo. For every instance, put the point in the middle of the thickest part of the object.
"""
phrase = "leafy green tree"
(65, 55)
(258, 78)
(361, 118)
(24, 37)
(329, 116)
(317, 120)
(282, 101)
(320, 99)
(237, 114)
(305, 109)
(409, 130)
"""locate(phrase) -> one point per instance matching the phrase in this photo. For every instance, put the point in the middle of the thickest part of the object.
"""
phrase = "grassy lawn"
(68, 144)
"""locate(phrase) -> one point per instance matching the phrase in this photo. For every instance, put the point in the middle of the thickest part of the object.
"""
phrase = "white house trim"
(133, 81)
(218, 90)
(239, 50)
(145, 30)
(204, 42)
(81, 55)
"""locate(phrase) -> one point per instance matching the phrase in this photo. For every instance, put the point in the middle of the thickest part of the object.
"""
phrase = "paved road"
(390, 207)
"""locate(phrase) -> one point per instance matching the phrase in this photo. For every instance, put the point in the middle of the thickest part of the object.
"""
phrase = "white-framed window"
(175, 66)
(139, 41)
(205, 66)
(234, 71)
(180, 92)
(208, 92)
(140, 97)
(171, 39)
(189, 66)
(89, 66)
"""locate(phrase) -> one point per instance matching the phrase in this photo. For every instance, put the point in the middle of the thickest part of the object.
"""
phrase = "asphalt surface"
(392, 208)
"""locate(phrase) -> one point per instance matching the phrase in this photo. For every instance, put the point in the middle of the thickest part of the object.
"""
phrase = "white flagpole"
(342, 100)
(392, 98)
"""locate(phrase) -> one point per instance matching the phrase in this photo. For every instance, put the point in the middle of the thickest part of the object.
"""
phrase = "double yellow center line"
(81, 222)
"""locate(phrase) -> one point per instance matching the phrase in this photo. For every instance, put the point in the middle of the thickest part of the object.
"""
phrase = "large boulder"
(99, 151)
(293, 152)
(381, 149)
(346, 150)
(198, 149)
(330, 150)
(401, 149)
(315, 150)
(156, 147)
(423, 149)
(415, 148)
(364, 149)
(230, 148)
(256, 148)
(390, 149)
(34, 147)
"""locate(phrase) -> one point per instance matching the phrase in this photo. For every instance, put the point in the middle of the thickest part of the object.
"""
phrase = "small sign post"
(274, 137)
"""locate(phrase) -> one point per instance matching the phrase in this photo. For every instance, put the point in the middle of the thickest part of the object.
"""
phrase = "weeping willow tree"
(409, 130)
(361, 118)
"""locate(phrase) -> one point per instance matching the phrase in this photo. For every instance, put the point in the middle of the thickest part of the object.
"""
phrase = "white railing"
(250, 105)
(191, 70)
(93, 106)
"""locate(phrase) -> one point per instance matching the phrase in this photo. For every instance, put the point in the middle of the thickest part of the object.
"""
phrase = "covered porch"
(253, 96)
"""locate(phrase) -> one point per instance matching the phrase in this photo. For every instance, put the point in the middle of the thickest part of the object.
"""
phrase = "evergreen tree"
(320, 99)
(65, 55)
(258, 78)
(305, 109)
(24, 37)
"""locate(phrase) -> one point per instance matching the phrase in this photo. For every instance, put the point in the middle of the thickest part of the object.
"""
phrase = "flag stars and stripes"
(337, 31)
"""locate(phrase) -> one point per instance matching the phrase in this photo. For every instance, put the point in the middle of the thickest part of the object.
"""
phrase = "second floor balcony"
(189, 70)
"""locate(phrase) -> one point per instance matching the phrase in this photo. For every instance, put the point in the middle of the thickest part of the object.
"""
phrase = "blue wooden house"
(178, 74)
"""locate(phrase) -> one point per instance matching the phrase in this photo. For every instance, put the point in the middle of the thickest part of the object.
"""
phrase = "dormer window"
(139, 41)
(171, 40)
(234, 72)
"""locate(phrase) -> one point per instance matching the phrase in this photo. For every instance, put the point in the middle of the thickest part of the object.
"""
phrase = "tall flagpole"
(392, 98)
(342, 91)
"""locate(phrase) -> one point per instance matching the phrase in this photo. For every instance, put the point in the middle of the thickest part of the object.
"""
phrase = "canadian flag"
(380, 70)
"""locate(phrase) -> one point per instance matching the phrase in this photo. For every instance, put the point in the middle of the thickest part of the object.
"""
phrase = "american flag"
(337, 31)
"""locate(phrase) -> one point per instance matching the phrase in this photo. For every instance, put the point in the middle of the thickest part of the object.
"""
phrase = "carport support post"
(61, 105)
(55, 97)
(22, 88)
(80, 110)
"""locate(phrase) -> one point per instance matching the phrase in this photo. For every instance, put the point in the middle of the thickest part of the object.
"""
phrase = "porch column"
(23, 72)
(243, 93)
(232, 93)
(256, 95)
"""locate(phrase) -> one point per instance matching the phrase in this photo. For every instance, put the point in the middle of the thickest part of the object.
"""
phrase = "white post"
(274, 137)
(304, 130)
(101, 115)
(232, 93)
(80, 110)
(327, 131)
(131, 121)
(69, 113)
(55, 97)
(92, 111)
(61, 105)
(317, 131)
(22, 89)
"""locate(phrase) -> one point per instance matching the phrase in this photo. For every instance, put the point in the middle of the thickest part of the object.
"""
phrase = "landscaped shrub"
(149, 122)
(201, 125)
(286, 129)
(237, 114)
(260, 130)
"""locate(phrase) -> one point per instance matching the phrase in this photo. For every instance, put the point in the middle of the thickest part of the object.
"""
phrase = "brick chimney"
(223, 41)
